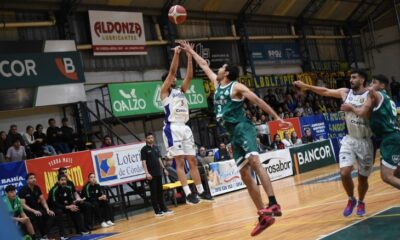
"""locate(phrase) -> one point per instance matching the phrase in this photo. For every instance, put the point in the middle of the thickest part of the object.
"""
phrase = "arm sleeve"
(143, 154)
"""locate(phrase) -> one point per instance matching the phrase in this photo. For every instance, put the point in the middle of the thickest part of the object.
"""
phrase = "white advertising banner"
(117, 33)
(224, 177)
(118, 165)
(277, 163)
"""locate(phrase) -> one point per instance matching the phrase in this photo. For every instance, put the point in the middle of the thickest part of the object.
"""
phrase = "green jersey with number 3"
(383, 119)
(228, 110)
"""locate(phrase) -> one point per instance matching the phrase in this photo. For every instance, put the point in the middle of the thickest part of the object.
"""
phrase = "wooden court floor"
(312, 208)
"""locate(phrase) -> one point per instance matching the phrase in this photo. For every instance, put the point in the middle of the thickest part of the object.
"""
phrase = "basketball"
(177, 14)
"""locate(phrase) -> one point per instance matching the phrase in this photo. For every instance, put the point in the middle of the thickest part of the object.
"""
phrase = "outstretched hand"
(177, 49)
(283, 123)
(186, 46)
(299, 84)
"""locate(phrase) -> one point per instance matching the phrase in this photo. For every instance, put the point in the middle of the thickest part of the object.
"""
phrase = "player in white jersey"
(357, 144)
(178, 137)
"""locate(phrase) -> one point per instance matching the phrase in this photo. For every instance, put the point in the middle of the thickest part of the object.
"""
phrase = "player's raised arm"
(336, 93)
(202, 63)
(374, 98)
(241, 90)
(189, 70)
(171, 74)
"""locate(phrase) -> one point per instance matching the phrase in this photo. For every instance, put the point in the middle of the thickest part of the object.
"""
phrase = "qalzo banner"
(118, 165)
(117, 33)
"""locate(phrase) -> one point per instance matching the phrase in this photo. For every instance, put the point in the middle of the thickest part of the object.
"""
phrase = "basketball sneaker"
(192, 199)
(263, 223)
(167, 211)
(351, 204)
(361, 209)
(274, 210)
(206, 197)
(159, 214)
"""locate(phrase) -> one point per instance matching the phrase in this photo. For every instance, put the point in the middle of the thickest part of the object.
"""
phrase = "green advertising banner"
(312, 156)
(40, 69)
(140, 98)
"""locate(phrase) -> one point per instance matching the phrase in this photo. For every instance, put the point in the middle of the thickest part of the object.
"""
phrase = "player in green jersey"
(228, 102)
(382, 114)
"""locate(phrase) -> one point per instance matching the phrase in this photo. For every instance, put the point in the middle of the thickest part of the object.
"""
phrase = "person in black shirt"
(307, 138)
(85, 207)
(94, 194)
(54, 137)
(40, 136)
(67, 133)
(35, 206)
(152, 164)
(61, 200)
(14, 135)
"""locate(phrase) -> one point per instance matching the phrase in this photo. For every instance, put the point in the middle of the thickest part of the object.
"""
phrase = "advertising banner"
(275, 128)
(13, 173)
(312, 156)
(78, 164)
(275, 53)
(277, 163)
(316, 124)
(118, 165)
(24, 70)
(117, 33)
(329, 66)
(224, 177)
(275, 80)
(336, 124)
(216, 53)
(139, 98)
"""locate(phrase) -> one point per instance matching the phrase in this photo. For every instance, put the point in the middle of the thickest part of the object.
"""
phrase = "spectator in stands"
(221, 154)
(395, 89)
(321, 106)
(308, 111)
(34, 145)
(271, 99)
(61, 200)
(203, 157)
(3, 144)
(40, 136)
(172, 174)
(263, 130)
(277, 143)
(85, 207)
(261, 148)
(154, 168)
(299, 109)
(67, 134)
(295, 139)
(307, 138)
(35, 207)
(13, 135)
(55, 137)
(93, 193)
(287, 140)
(290, 103)
(14, 206)
(16, 152)
(107, 142)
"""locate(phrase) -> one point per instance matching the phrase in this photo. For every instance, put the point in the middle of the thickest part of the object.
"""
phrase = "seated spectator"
(290, 103)
(307, 138)
(203, 157)
(93, 193)
(277, 143)
(172, 174)
(36, 208)
(40, 137)
(107, 142)
(14, 206)
(261, 148)
(55, 138)
(308, 111)
(299, 108)
(61, 201)
(295, 139)
(16, 152)
(221, 154)
(85, 207)
(33, 144)
(13, 135)
(67, 134)
(286, 140)
(3, 144)
(263, 130)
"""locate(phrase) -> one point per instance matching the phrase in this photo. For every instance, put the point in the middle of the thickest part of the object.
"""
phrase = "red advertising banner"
(79, 165)
(275, 128)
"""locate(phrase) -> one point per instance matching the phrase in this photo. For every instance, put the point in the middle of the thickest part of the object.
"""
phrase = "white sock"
(200, 188)
(187, 190)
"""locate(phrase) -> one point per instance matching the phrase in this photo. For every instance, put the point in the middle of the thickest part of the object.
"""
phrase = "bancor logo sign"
(312, 156)
(18, 68)
(129, 102)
